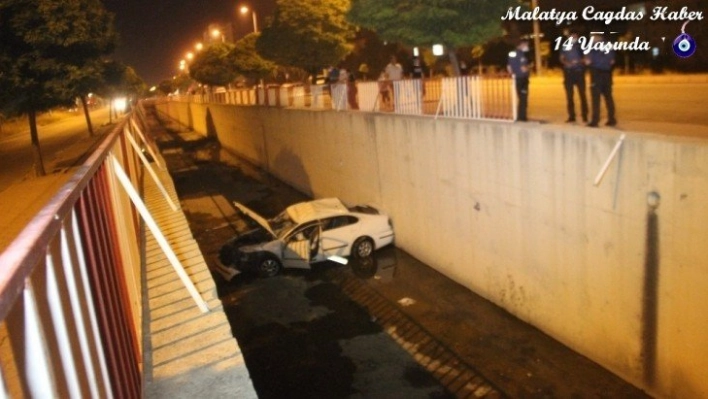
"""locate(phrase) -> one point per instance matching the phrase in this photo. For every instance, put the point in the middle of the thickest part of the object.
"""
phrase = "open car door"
(301, 249)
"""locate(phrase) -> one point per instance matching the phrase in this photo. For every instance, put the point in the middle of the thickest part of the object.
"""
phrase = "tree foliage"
(454, 23)
(119, 79)
(214, 65)
(48, 50)
(167, 86)
(247, 60)
(307, 34)
(48, 53)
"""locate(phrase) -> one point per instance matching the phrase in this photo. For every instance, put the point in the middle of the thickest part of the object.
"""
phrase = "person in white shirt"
(394, 70)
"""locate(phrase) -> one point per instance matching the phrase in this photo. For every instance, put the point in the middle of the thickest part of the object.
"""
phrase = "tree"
(84, 81)
(307, 34)
(167, 86)
(119, 80)
(477, 54)
(214, 65)
(453, 23)
(248, 62)
(134, 86)
(46, 47)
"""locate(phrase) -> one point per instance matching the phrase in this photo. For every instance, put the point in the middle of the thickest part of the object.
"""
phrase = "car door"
(338, 234)
(302, 246)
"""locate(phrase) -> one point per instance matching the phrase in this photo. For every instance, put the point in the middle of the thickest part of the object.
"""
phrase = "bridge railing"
(467, 97)
(70, 285)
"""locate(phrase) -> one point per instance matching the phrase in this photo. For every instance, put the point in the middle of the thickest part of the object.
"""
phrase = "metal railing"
(70, 283)
(466, 97)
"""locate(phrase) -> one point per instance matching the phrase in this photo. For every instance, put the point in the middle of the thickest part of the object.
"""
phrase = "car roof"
(317, 209)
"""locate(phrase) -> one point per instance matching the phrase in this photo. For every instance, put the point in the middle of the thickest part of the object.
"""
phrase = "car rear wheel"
(363, 247)
(269, 266)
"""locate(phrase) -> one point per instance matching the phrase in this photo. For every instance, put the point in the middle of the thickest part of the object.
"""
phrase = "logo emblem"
(684, 45)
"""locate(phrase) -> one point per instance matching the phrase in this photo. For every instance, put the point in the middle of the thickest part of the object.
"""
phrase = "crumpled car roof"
(317, 209)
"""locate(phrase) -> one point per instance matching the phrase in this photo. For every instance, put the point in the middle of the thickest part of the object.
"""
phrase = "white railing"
(70, 287)
(466, 97)
(408, 97)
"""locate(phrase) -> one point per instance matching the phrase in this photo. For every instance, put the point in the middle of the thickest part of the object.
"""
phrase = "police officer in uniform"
(600, 64)
(574, 76)
(518, 65)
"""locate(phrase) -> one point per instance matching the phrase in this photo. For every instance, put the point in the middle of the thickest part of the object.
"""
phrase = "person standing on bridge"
(519, 67)
(601, 63)
(574, 77)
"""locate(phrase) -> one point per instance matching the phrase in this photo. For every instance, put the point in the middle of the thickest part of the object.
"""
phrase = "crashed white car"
(305, 233)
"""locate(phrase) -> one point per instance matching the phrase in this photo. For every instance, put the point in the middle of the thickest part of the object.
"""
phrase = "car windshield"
(281, 224)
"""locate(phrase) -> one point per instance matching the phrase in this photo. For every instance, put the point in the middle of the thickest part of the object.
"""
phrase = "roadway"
(55, 139)
(647, 105)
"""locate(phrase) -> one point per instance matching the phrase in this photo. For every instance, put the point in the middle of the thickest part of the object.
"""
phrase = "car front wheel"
(227, 255)
(269, 266)
(363, 247)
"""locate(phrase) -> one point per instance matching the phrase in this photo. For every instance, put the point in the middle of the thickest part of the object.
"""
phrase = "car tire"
(227, 255)
(363, 247)
(269, 266)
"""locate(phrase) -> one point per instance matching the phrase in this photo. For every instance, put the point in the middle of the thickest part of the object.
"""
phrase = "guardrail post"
(136, 147)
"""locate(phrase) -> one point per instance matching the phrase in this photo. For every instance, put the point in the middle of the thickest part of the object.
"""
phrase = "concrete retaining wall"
(510, 211)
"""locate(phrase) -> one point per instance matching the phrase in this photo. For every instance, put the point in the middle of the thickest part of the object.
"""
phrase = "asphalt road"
(16, 161)
(665, 108)
(390, 327)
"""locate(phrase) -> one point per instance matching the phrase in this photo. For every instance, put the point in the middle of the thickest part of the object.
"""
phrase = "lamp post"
(537, 40)
(244, 10)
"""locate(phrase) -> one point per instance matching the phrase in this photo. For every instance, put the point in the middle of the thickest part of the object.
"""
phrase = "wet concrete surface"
(385, 327)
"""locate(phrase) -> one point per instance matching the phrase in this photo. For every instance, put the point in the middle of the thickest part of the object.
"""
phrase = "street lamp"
(190, 56)
(215, 33)
(199, 46)
(244, 10)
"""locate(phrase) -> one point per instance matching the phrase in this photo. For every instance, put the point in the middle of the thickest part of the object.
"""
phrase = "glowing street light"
(245, 10)
(190, 56)
(199, 46)
(215, 33)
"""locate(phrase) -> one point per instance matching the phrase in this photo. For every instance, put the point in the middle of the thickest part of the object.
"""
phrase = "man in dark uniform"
(518, 66)
(600, 64)
(574, 76)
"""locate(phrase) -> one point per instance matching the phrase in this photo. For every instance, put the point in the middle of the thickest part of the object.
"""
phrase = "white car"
(305, 233)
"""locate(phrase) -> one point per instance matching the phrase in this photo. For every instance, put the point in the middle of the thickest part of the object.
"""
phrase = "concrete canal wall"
(511, 212)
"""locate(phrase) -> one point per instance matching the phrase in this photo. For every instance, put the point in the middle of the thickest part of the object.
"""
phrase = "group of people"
(575, 64)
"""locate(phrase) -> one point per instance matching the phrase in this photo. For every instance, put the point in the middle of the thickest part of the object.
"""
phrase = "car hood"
(256, 217)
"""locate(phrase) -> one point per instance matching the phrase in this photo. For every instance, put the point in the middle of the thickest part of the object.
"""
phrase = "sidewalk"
(187, 353)
(619, 77)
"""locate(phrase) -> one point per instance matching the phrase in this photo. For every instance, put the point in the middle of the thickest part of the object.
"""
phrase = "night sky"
(156, 34)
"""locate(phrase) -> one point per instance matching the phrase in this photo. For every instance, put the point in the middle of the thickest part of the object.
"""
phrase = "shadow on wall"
(650, 303)
(173, 124)
(289, 167)
(210, 126)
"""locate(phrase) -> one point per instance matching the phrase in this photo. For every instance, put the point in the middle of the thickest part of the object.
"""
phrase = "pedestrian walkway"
(187, 353)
